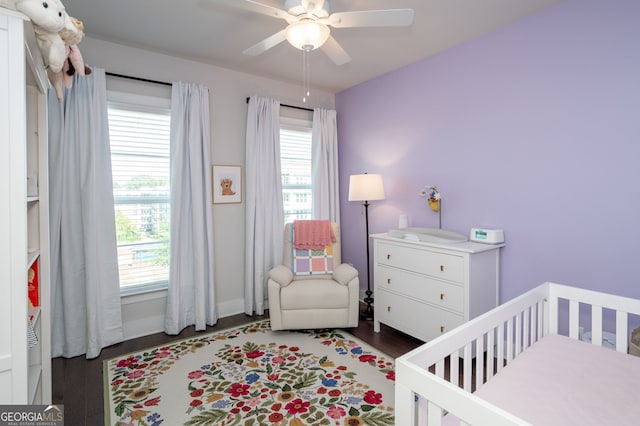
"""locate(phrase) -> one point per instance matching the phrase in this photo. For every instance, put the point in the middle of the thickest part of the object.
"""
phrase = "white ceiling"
(215, 32)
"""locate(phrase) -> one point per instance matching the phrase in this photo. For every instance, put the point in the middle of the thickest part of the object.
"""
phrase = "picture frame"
(226, 184)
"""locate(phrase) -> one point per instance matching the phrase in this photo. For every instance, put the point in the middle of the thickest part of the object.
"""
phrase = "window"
(295, 159)
(139, 129)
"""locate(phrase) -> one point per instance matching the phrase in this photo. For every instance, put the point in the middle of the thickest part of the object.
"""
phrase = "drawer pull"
(388, 308)
(388, 280)
(441, 268)
(442, 329)
(388, 256)
(441, 296)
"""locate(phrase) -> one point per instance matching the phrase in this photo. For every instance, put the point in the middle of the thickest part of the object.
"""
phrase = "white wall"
(228, 91)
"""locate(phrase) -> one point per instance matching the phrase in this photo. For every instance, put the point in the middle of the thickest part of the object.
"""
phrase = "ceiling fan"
(309, 22)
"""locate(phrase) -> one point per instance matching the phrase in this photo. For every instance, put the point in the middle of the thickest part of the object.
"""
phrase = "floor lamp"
(365, 188)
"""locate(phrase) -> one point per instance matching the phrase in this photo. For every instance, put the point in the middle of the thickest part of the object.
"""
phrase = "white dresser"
(426, 289)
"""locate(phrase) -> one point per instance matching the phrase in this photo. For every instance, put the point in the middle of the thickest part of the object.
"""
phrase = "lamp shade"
(366, 187)
(307, 34)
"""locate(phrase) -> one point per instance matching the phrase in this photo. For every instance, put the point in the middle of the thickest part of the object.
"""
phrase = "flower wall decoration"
(433, 197)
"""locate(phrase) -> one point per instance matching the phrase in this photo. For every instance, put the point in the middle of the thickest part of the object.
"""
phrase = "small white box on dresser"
(487, 235)
(426, 289)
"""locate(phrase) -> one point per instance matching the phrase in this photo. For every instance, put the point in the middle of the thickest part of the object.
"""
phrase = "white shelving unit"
(25, 372)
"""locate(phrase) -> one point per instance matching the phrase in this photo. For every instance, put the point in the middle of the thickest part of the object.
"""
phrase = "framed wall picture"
(227, 184)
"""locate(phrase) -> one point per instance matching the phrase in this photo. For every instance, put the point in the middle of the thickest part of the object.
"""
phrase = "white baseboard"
(143, 314)
(229, 308)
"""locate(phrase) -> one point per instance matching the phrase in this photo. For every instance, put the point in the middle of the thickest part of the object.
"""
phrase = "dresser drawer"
(439, 265)
(422, 287)
(417, 319)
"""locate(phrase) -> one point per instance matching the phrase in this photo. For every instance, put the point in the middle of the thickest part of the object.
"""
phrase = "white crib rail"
(501, 334)
(597, 302)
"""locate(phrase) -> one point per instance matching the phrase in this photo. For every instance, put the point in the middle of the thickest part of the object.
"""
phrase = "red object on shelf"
(34, 285)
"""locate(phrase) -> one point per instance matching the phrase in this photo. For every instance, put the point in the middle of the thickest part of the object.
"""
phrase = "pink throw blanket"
(312, 234)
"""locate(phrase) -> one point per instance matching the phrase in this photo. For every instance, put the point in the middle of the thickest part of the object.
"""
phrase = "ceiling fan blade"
(266, 44)
(335, 52)
(266, 9)
(371, 18)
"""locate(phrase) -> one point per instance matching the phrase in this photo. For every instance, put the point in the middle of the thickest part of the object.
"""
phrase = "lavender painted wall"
(534, 128)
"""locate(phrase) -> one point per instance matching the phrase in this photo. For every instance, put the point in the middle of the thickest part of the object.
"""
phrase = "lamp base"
(367, 314)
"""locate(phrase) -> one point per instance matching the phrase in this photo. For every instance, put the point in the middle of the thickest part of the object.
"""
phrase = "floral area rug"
(252, 376)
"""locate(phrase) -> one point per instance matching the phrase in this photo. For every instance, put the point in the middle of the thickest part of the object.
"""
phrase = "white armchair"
(316, 301)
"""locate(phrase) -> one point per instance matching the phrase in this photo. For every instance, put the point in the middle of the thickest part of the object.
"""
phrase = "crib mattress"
(563, 381)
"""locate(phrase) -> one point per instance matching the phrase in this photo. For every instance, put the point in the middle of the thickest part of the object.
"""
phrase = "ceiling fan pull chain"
(305, 74)
(308, 93)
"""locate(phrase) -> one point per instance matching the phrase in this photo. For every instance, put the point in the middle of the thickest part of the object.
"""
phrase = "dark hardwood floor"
(77, 382)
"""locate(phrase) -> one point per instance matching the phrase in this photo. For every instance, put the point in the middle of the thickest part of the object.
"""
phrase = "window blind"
(295, 160)
(140, 164)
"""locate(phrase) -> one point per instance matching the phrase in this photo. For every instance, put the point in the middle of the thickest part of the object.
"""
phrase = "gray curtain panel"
(191, 296)
(85, 288)
(265, 209)
(326, 187)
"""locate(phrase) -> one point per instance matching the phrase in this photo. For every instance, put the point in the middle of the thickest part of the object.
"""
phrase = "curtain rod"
(292, 106)
(146, 80)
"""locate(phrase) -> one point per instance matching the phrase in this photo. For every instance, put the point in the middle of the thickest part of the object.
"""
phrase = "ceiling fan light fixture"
(307, 34)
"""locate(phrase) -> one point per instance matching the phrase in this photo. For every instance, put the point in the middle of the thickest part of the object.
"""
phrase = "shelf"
(25, 372)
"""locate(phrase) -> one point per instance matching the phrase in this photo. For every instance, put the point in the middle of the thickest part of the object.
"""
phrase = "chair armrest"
(282, 275)
(344, 273)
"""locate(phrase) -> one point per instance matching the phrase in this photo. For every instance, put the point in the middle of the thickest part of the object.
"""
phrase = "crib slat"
(596, 325)
(500, 345)
(479, 361)
(509, 340)
(518, 341)
(467, 367)
(404, 404)
(534, 324)
(490, 352)
(540, 321)
(454, 368)
(526, 332)
(422, 411)
(551, 323)
(434, 414)
(440, 368)
(622, 331)
(574, 315)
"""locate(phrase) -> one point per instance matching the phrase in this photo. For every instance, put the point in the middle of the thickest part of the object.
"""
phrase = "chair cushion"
(314, 294)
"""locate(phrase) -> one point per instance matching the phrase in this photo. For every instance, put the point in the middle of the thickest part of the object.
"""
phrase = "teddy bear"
(71, 35)
(49, 18)
(57, 35)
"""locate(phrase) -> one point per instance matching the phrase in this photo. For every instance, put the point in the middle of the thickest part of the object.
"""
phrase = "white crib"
(513, 336)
